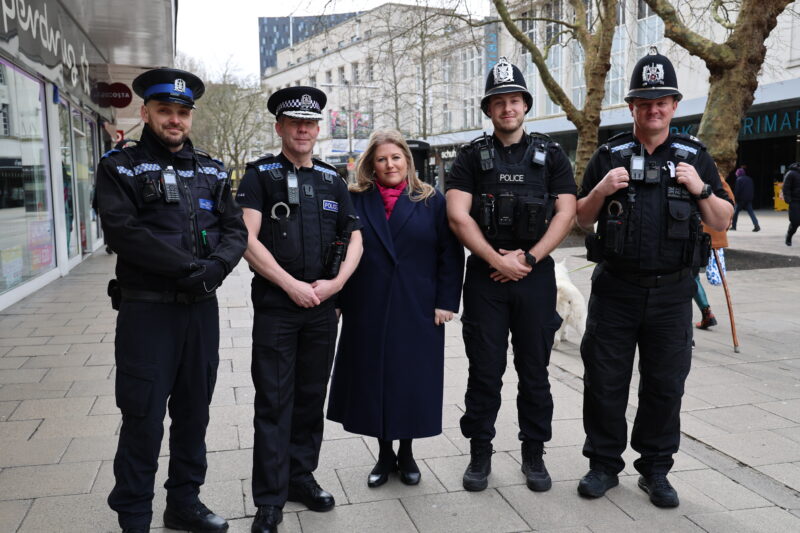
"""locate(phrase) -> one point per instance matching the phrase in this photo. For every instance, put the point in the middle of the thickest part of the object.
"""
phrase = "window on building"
(616, 80)
(649, 29)
(342, 78)
(370, 69)
(354, 72)
(578, 79)
(5, 121)
(328, 76)
(312, 81)
(447, 118)
(528, 68)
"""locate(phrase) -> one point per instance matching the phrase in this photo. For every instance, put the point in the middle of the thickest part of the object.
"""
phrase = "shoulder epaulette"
(205, 154)
(126, 143)
(619, 135)
(690, 138)
(328, 170)
(112, 151)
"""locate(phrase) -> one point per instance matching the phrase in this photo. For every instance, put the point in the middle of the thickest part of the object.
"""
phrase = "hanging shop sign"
(111, 95)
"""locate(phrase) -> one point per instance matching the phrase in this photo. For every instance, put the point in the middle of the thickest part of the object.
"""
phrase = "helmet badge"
(653, 74)
(503, 73)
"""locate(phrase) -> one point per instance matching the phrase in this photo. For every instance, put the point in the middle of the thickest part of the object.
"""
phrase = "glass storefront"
(27, 241)
(68, 175)
(84, 137)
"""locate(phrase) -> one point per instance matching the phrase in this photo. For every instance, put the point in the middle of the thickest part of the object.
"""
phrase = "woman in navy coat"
(389, 370)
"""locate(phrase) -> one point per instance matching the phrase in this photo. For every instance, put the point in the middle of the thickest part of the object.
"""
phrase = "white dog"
(570, 305)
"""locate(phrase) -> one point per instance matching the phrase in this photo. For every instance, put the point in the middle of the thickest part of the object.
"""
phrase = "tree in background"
(733, 64)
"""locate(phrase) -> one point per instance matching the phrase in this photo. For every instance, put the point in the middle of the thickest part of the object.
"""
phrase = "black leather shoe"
(596, 482)
(267, 519)
(476, 476)
(310, 494)
(661, 492)
(537, 478)
(409, 471)
(195, 517)
(380, 473)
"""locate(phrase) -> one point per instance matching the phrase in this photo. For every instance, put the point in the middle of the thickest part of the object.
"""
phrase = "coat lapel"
(403, 210)
(376, 216)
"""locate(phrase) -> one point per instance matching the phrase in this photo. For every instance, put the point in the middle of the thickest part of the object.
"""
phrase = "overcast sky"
(212, 31)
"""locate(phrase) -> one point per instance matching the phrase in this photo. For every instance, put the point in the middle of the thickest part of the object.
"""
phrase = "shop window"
(68, 179)
(27, 243)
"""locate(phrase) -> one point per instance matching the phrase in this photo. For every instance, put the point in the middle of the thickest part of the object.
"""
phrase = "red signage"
(114, 95)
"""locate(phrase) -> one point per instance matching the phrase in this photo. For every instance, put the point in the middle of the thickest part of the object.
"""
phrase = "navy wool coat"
(389, 369)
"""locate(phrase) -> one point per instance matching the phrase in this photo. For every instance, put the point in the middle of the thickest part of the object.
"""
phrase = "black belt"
(651, 281)
(166, 297)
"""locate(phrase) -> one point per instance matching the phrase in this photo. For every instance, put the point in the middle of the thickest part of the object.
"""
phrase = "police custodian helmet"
(505, 78)
(298, 102)
(169, 85)
(653, 77)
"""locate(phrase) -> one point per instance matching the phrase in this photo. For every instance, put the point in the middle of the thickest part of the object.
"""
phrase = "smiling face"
(652, 117)
(170, 121)
(298, 135)
(507, 111)
(391, 166)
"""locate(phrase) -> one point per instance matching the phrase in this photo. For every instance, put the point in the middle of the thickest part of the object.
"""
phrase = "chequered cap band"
(297, 103)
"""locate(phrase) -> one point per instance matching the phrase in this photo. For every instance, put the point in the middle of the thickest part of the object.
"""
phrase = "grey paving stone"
(791, 433)
(53, 408)
(547, 510)
(684, 461)
(104, 405)
(97, 448)
(636, 504)
(26, 482)
(12, 513)
(104, 481)
(233, 414)
(787, 409)
(229, 465)
(344, 453)
(672, 524)
(100, 359)
(564, 463)
(40, 349)
(10, 363)
(91, 348)
(722, 489)
(450, 470)
(756, 448)
(32, 452)
(786, 473)
(82, 373)
(701, 377)
(78, 426)
(6, 408)
(69, 514)
(691, 425)
(567, 433)
(769, 520)
(506, 439)
(221, 436)
(19, 340)
(17, 430)
(354, 482)
(724, 395)
(438, 446)
(53, 361)
(377, 517)
(97, 387)
(33, 391)
(742, 418)
(463, 511)
(451, 416)
(245, 395)
(778, 390)
(22, 375)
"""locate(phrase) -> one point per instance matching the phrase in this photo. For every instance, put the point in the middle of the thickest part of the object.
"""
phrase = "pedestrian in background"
(743, 189)
(388, 376)
(791, 195)
(299, 218)
(167, 211)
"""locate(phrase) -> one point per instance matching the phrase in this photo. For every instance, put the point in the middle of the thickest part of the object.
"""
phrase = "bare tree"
(733, 64)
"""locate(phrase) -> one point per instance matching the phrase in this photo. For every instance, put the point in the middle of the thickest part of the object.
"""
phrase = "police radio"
(293, 190)
(169, 181)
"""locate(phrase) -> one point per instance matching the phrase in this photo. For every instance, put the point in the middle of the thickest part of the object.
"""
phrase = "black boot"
(536, 476)
(662, 494)
(267, 519)
(195, 517)
(387, 463)
(409, 471)
(309, 493)
(476, 476)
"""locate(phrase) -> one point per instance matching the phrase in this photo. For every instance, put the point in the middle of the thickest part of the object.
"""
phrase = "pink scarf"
(389, 195)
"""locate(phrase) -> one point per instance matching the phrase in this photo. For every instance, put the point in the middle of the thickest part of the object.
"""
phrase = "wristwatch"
(705, 193)
(530, 259)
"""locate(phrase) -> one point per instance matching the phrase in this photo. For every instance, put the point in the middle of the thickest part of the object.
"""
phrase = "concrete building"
(64, 65)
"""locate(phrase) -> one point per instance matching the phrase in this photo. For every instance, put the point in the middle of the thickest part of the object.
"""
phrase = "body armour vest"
(300, 215)
(654, 223)
(180, 206)
(512, 204)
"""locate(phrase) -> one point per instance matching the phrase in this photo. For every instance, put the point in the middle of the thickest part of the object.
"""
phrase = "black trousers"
(167, 356)
(658, 320)
(794, 216)
(527, 308)
(292, 357)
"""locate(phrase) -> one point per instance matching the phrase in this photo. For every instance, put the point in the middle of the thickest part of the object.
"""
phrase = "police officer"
(299, 215)
(510, 200)
(167, 211)
(791, 195)
(648, 191)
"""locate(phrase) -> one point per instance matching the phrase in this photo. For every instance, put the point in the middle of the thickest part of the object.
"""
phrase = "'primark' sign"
(759, 125)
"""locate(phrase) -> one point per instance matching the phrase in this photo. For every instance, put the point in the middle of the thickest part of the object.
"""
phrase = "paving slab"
(70, 514)
(722, 489)
(12, 513)
(742, 418)
(97, 448)
(465, 512)
(756, 448)
(33, 391)
(78, 426)
(354, 482)
(17, 430)
(25, 482)
(374, 517)
(768, 520)
(53, 408)
(6, 409)
(786, 473)
(34, 452)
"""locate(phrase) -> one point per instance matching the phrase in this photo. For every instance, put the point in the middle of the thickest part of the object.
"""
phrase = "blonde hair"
(365, 169)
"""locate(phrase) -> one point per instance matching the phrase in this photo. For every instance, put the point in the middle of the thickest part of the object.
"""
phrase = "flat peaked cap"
(298, 102)
(169, 85)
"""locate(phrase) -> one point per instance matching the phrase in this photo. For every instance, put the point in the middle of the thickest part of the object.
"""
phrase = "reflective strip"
(185, 173)
(686, 147)
(145, 167)
(125, 170)
(213, 171)
(269, 166)
(615, 149)
(325, 170)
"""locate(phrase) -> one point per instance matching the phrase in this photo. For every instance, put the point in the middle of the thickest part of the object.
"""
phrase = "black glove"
(206, 276)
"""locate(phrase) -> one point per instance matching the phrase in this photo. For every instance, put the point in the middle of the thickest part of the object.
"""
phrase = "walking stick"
(728, 299)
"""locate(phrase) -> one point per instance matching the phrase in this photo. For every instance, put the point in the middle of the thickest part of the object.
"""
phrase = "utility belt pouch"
(151, 190)
(594, 247)
(701, 247)
(486, 212)
(115, 293)
(615, 237)
(532, 219)
(506, 204)
(678, 221)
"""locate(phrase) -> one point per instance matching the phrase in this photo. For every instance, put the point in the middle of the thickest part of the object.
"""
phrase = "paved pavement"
(738, 468)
